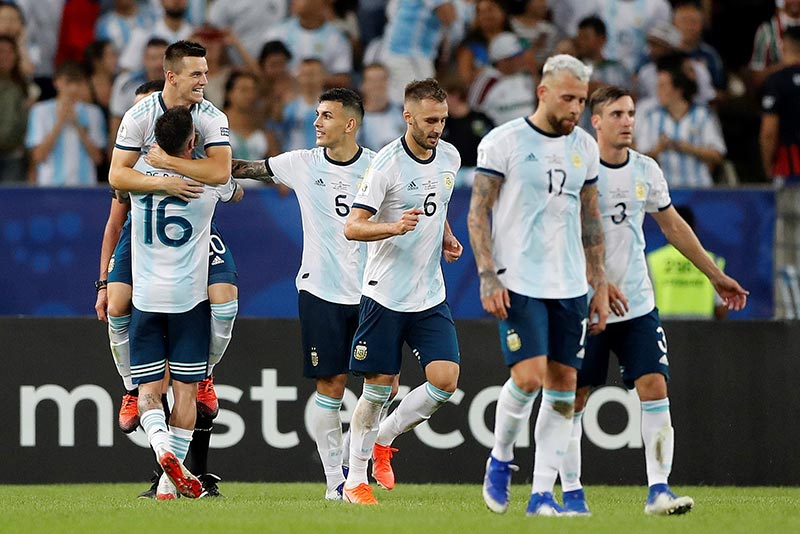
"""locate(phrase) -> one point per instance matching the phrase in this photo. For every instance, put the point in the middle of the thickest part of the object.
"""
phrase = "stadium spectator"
(403, 293)
(687, 17)
(12, 24)
(297, 122)
(278, 84)
(308, 34)
(682, 290)
(383, 120)
(13, 112)
(66, 136)
(371, 19)
(171, 27)
(684, 137)
(505, 90)
(533, 27)
(767, 43)
(411, 41)
(491, 19)
(100, 62)
(247, 19)
(118, 25)
(219, 44)
(43, 22)
(464, 129)
(535, 281)
(249, 140)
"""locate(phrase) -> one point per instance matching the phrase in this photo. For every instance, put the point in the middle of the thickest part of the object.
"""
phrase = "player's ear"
(595, 120)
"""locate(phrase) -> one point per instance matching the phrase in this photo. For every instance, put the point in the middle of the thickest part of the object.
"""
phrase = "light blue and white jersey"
(118, 29)
(326, 43)
(332, 267)
(625, 193)
(536, 220)
(404, 272)
(699, 127)
(170, 240)
(138, 128)
(414, 29)
(380, 128)
(297, 125)
(68, 163)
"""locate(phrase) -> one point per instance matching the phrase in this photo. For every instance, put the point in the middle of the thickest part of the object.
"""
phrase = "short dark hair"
(71, 70)
(6, 3)
(149, 87)
(606, 95)
(179, 50)
(419, 90)
(687, 3)
(273, 47)
(792, 33)
(231, 82)
(348, 98)
(156, 41)
(674, 65)
(174, 129)
(595, 23)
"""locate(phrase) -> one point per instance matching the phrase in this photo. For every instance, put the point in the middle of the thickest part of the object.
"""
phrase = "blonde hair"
(567, 63)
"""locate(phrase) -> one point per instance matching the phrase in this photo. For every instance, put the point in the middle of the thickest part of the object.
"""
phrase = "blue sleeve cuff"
(365, 207)
(490, 172)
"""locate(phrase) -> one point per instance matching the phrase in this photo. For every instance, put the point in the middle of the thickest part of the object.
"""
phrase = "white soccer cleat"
(166, 490)
(661, 501)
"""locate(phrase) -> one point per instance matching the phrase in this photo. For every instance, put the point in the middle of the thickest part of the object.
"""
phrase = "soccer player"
(629, 185)
(171, 316)
(186, 75)
(537, 176)
(401, 211)
(325, 180)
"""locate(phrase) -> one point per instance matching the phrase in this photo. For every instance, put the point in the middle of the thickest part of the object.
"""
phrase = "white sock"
(121, 348)
(222, 318)
(327, 428)
(154, 423)
(553, 428)
(363, 430)
(512, 412)
(346, 435)
(570, 470)
(659, 440)
(416, 407)
(179, 439)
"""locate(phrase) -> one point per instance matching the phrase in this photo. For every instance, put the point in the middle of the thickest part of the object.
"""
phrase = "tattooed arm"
(594, 247)
(253, 169)
(494, 296)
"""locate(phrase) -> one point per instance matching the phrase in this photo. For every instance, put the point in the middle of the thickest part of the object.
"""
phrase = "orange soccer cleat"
(382, 466)
(128, 413)
(207, 403)
(185, 482)
(361, 494)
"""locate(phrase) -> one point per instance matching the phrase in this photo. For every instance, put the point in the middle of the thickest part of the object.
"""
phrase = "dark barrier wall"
(733, 393)
(50, 248)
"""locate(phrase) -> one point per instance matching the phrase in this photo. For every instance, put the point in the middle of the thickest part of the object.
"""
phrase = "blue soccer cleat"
(661, 501)
(497, 484)
(575, 503)
(543, 503)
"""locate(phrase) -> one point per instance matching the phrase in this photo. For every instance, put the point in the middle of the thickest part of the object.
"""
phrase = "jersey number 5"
(162, 221)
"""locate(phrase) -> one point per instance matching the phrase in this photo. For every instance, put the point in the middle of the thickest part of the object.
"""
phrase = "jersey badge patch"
(577, 162)
(111, 263)
(314, 357)
(360, 353)
(640, 192)
(449, 180)
(513, 341)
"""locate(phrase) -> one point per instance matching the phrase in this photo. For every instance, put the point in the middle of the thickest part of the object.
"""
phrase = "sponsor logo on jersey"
(217, 261)
(412, 186)
(224, 131)
(428, 185)
(554, 159)
(618, 193)
(340, 186)
(663, 360)
(360, 352)
(531, 157)
(513, 341)
(111, 263)
(319, 182)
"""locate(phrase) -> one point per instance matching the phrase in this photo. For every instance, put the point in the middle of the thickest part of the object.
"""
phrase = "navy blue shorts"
(378, 342)
(327, 331)
(180, 339)
(640, 345)
(221, 267)
(552, 327)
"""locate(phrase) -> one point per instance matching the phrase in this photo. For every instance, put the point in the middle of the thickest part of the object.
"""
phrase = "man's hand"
(451, 248)
(408, 221)
(598, 310)
(182, 188)
(157, 158)
(733, 295)
(494, 296)
(617, 301)
(101, 306)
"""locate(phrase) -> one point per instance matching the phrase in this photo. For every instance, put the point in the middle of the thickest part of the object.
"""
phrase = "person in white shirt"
(537, 178)
(171, 27)
(401, 212)
(383, 120)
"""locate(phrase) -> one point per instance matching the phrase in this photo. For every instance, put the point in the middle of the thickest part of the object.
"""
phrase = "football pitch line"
(433, 508)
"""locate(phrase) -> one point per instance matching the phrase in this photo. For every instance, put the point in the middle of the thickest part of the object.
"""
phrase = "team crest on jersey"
(449, 180)
(360, 352)
(577, 162)
(640, 191)
(513, 341)
(314, 357)
(111, 263)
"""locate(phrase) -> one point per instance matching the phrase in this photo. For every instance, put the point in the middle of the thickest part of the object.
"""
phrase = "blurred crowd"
(705, 74)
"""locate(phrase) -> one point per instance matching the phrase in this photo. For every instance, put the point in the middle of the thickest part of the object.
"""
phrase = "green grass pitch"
(423, 509)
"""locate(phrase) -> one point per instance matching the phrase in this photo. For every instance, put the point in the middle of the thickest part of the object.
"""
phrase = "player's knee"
(651, 386)
(332, 386)
(528, 384)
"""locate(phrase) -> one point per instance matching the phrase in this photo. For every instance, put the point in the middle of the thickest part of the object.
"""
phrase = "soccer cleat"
(497, 484)
(207, 402)
(186, 483)
(209, 482)
(661, 501)
(166, 489)
(151, 492)
(543, 503)
(128, 413)
(361, 494)
(335, 494)
(382, 466)
(575, 503)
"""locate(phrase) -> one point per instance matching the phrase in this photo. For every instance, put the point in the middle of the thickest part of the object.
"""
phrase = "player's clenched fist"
(408, 221)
